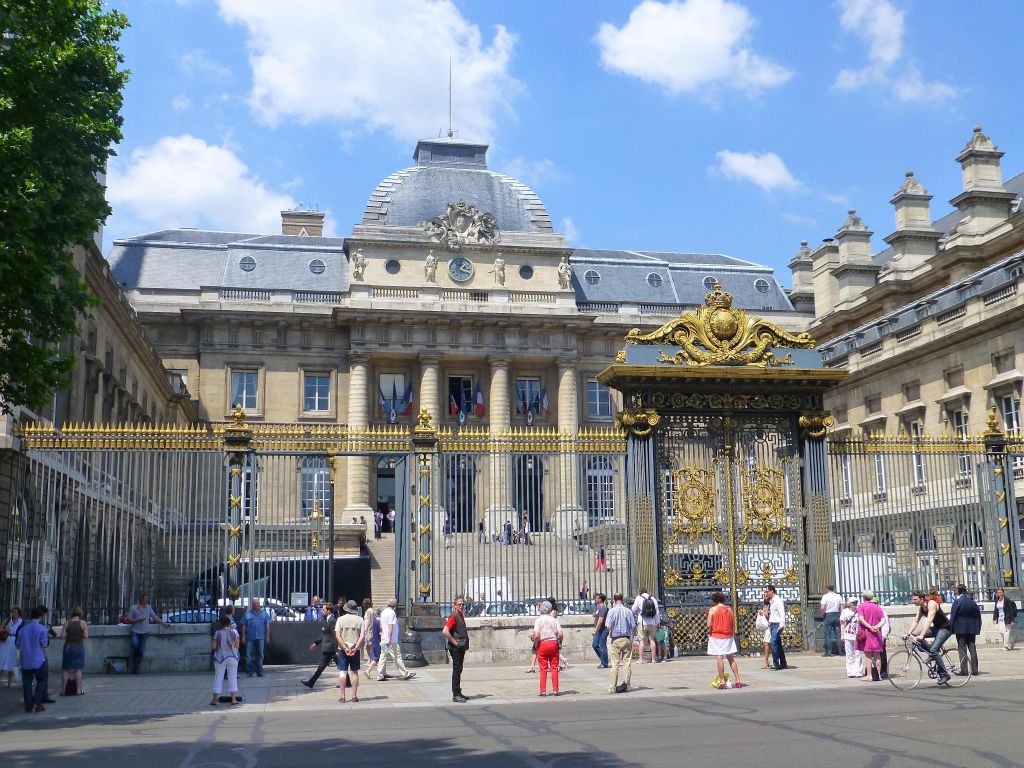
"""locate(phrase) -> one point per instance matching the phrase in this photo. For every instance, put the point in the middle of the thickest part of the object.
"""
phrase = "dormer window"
(709, 282)
(592, 276)
(761, 285)
(654, 280)
(247, 264)
(317, 266)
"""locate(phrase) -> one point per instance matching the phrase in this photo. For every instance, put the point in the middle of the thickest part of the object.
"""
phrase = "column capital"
(567, 363)
(358, 357)
(498, 362)
(426, 358)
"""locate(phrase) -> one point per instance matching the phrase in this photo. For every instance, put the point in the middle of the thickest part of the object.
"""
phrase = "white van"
(489, 589)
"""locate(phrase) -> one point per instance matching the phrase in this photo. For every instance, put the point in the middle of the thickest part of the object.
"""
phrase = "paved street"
(808, 715)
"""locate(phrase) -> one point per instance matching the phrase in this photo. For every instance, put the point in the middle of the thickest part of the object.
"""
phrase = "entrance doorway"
(387, 491)
(460, 493)
(528, 490)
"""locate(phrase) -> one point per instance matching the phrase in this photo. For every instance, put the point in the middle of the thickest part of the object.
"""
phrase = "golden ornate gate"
(730, 520)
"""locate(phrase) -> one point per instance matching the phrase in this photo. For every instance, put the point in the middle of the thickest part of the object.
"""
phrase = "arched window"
(970, 536)
(887, 544)
(926, 541)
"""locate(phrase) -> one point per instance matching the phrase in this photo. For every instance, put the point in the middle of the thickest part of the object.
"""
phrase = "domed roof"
(449, 170)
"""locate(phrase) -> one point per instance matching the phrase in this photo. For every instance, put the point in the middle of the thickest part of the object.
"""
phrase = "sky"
(709, 126)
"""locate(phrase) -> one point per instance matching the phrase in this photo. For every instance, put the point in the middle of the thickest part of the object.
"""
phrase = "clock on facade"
(460, 269)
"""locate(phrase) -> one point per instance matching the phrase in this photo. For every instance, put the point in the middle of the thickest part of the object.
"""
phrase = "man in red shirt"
(457, 636)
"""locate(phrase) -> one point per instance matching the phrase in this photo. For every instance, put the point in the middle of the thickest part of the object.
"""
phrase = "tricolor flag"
(453, 407)
(380, 402)
(478, 400)
(407, 411)
(544, 401)
(393, 405)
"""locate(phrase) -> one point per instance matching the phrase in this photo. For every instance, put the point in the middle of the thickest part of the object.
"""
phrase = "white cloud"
(568, 228)
(377, 65)
(765, 170)
(801, 220)
(181, 103)
(198, 64)
(533, 173)
(689, 45)
(183, 181)
(880, 24)
(837, 199)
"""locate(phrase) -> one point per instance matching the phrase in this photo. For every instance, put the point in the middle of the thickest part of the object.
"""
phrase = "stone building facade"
(453, 293)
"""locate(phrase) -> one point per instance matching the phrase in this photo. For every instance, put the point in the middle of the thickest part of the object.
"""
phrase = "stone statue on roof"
(358, 266)
(564, 273)
(430, 267)
(499, 270)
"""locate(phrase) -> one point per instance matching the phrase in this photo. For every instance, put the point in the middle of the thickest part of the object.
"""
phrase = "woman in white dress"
(8, 650)
(849, 623)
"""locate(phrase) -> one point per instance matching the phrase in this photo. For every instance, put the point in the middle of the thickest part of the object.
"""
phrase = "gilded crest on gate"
(764, 503)
(720, 334)
(693, 503)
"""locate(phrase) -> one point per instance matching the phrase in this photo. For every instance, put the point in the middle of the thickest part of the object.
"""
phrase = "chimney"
(825, 259)
(802, 267)
(915, 240)
(302, 223)
(984, 201)
(855, 271)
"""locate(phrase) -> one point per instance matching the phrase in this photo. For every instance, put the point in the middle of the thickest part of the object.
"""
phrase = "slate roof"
(625, 276)
(190, 259)
(447, 171)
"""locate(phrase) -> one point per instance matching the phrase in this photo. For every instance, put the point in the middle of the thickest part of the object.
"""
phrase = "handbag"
(862, 636)
(761, 622)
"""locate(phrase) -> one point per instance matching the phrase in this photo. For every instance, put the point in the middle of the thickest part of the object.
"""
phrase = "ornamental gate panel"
(730, 519)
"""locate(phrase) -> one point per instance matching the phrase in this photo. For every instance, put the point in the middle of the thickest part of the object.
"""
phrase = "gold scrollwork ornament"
(639, 422)
(815, 424)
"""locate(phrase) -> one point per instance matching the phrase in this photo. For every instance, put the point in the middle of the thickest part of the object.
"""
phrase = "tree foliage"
(60, 102)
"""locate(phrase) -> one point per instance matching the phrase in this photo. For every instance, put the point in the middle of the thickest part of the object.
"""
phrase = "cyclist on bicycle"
(934, 624)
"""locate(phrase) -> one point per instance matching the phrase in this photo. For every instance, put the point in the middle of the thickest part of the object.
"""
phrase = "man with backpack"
(646, 610)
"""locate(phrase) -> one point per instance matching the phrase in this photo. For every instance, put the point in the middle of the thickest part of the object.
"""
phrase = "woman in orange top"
(722, 640)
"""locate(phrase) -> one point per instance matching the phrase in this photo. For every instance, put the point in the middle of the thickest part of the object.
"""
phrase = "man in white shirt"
(647, 613)
(391, 650)
(830, 608)
(776, 622)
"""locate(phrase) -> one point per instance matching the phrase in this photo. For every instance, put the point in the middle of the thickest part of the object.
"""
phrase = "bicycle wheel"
(904, 670)
(956, 680)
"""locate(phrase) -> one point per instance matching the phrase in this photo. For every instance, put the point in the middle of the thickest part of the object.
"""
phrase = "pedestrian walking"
(8, 647)
(886, 631)
(647, 613)
(869, 632)
(965, 618)
(829, 608)
(141, 618)
(848, 629)
(600, 641)
(32, 640)
(600, 565)
(456, 635)
(391, 519)
(547, 633)
(621, 626)
(1003, 614)
(371, 636)
(327, 643)
(255, 633)
(348, 632)
(722, 640)
(526, 529)
(72, 665)
(481, 532)
(225, 645)
(391, 651)
(776, 623)
(761, 623)
(378, 523)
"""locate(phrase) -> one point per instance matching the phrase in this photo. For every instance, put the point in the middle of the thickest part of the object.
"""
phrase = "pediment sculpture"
(720, 334)
(463, 224)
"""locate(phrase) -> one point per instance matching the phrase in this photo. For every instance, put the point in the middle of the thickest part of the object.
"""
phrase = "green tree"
(60, 102)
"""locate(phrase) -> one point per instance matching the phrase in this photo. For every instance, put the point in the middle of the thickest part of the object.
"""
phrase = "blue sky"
(702, 126)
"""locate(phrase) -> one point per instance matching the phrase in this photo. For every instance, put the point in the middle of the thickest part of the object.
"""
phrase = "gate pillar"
(237, 438)
(424, 446)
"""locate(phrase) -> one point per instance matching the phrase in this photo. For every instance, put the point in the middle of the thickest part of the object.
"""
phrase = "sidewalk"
(280, 691)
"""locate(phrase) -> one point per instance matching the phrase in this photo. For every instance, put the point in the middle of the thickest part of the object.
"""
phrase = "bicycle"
(906, 668)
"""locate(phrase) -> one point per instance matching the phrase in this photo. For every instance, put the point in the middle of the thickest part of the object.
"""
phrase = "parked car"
(281, 611)
(579, 607)
(194, 616)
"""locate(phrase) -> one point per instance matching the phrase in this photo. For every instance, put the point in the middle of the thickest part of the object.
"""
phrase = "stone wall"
(181, 648)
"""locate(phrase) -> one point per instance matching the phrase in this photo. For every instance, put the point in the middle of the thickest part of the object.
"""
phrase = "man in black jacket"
(328, 645)
(965, 619)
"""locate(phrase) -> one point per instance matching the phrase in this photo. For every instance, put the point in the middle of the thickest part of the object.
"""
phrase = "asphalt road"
(874, 725)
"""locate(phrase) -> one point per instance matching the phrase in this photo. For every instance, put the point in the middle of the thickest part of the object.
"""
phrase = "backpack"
(649, 609)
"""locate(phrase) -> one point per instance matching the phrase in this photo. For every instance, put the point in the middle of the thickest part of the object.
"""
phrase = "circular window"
(247, 263)
(709, 282)
(654, 280)
(592, 276)
(761, 285)
(317, 266)
(526, 271)
(392, 266)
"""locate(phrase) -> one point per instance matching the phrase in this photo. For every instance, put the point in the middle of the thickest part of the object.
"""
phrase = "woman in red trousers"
(547, 633)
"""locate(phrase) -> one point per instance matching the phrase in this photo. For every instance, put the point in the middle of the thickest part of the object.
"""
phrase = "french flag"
(453, 407)
(407, 411)
(478, 400)
(380, 403)
(544, 401)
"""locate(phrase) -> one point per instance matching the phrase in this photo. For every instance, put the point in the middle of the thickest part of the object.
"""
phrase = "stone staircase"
(382, 569)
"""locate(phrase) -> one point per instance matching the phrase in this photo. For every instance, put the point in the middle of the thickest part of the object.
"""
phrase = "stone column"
(568, 510)
(499, 477)
(358, 471)
(430, 373)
